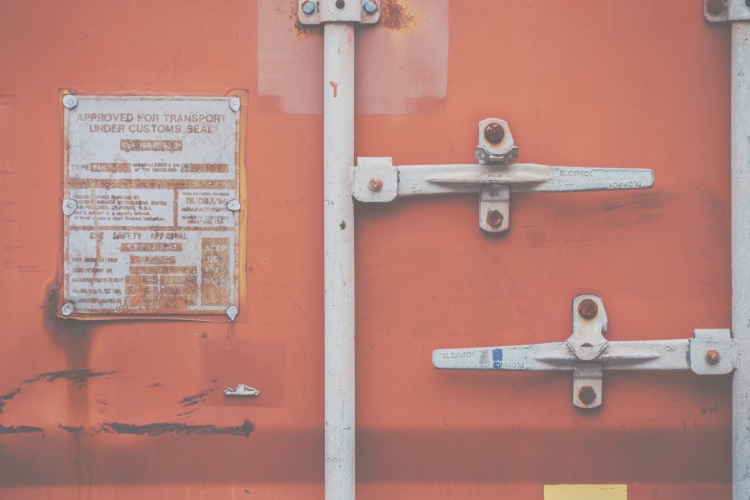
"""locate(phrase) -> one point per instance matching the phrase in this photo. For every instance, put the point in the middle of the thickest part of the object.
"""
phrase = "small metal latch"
(587, 353)
(376, 180)
(242, 390)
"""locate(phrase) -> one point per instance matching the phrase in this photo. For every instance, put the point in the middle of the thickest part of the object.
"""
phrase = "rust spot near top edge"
(302, 30)
(396, 15)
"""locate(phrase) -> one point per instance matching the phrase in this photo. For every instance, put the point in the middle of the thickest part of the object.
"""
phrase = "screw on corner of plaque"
(234, 205)
(69, 206)
(235, 103)
(69, 101)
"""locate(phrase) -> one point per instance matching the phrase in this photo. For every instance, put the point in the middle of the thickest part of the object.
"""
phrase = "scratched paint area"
(400, 68)
(148, 185)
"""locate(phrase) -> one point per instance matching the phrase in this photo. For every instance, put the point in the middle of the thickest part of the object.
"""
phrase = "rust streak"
(335, 87)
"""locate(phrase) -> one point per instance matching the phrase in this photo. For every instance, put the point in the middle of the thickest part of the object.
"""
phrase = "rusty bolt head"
(715, 7)
(370, 7)
(494, 133)
(309, 8)
(587, 394)
(712, 357)
(376, 184)
(588, 309)
(494, 218)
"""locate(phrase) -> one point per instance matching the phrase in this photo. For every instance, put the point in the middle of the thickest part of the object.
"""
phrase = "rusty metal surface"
(610, 83)
(149, 184)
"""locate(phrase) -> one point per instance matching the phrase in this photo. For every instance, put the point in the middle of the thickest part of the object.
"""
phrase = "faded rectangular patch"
(586, 492)
(401, 63)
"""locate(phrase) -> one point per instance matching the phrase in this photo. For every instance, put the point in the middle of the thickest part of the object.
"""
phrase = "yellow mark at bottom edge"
(586, 492)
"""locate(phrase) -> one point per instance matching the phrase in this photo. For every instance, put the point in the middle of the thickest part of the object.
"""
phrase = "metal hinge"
(587, 354)
(377, 180)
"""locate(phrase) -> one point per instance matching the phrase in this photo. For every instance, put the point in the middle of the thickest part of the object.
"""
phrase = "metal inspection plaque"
(151, 203)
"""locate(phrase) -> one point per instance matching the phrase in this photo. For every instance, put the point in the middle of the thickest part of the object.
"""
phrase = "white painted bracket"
(312, 12)
(587, 354)
(721, 11)
(376, 180)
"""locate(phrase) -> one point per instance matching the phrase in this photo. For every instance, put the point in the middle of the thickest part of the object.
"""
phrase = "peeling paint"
(8, 397)
(19, 429)
(196, 398)
(79, 377)
(71, 428)
(158, 429)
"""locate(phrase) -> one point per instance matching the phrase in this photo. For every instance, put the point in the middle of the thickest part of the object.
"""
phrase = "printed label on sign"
(151, 178)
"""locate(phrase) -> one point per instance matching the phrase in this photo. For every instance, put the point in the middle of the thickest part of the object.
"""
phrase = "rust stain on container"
(396, 15)
(74, 338)
(301, 31)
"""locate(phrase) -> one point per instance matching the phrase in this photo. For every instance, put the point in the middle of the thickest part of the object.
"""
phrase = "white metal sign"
(151, 205)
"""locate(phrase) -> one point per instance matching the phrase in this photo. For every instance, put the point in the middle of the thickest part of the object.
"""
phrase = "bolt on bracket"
(341, 11)
(587, 354)
(377, 180)
(722, 11)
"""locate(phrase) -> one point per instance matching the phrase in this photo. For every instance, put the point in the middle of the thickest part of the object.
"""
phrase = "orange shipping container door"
(135, 408)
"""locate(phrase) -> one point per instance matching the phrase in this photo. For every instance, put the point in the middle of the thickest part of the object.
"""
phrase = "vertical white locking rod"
(741, 257)
(338, 233)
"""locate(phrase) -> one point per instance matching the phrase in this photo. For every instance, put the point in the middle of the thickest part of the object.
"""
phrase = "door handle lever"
(377, 180)
(587, 353)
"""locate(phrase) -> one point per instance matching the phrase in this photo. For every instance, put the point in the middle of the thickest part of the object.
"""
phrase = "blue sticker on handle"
(497, 359)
